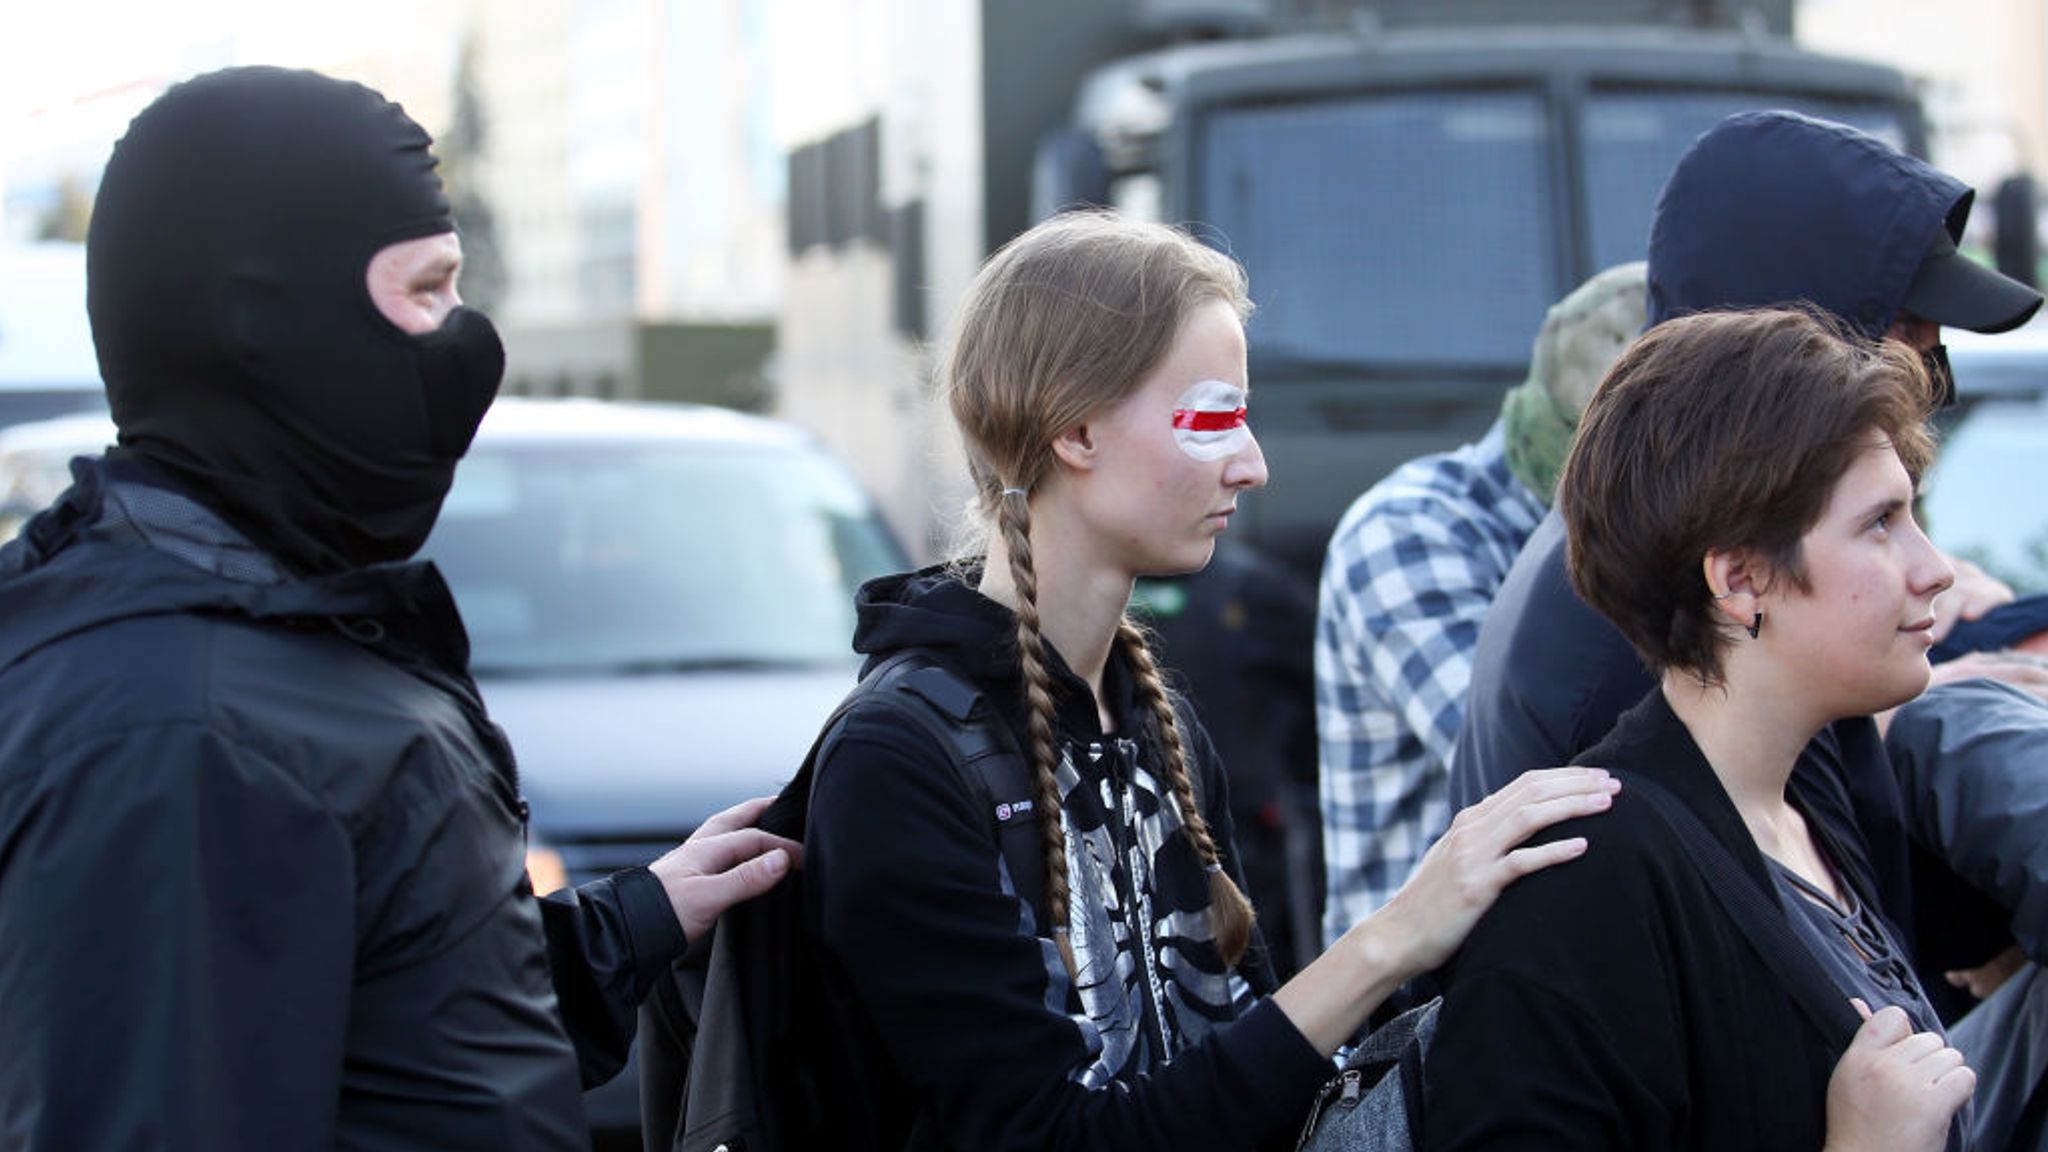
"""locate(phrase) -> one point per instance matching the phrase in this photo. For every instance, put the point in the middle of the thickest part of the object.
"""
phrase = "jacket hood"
(1775, 207)
(155, 552)
(939, 610)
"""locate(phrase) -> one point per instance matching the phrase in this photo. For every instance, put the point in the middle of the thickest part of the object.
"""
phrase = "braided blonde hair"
(1065, 321)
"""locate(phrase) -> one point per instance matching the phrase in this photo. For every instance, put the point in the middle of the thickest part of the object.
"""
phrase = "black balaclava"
(226, 268)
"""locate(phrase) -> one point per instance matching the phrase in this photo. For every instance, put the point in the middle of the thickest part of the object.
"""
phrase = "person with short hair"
(1738, 503)
(1767, 208)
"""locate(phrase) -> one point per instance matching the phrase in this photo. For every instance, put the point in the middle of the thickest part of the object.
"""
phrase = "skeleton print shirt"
(1150, 980)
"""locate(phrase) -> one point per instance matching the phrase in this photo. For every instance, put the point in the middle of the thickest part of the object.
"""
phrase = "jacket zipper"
(1138, 917)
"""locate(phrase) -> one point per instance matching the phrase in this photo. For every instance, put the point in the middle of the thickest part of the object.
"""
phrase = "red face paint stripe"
(1189, 420)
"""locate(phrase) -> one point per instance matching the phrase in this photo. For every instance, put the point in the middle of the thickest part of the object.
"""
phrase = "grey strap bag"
(1374, 1103)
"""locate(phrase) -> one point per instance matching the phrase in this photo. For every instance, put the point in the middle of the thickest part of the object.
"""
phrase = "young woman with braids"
(1097, 374)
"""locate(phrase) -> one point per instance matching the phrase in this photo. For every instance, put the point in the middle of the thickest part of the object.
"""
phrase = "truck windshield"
(1632, 140)
(1358, 218)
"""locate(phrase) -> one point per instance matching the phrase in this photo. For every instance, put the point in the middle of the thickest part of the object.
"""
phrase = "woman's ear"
(1735, 578)
(1075, 448)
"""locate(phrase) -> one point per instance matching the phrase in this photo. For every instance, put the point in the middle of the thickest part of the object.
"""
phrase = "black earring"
(1756, 625)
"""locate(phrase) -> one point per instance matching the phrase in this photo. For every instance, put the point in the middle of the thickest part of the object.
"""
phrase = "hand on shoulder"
(1464, 872)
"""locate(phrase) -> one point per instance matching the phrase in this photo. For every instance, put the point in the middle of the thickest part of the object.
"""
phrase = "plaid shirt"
(1410, 571)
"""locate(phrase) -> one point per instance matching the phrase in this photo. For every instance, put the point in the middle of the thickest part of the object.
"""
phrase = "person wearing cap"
(1407, 579)
(1771, 208)
(1766, 208)
(262, 879)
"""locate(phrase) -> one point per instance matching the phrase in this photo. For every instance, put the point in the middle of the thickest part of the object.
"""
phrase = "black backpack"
(728, 1061)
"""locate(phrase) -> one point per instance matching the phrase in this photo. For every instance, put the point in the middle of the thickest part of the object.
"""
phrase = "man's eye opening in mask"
(413, 283)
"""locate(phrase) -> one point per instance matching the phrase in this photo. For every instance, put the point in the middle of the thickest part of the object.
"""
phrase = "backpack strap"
(960, 720)
(1761, 920)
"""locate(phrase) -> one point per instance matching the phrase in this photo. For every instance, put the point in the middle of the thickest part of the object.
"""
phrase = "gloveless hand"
(1464, 871)
(725, 861)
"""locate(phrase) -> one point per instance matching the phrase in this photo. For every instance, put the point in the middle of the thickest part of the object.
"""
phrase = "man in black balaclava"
(262, 875)
(243, 354)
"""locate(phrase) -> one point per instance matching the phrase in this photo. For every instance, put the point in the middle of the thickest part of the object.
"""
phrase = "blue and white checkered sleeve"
(1419, 614)
(1404, 590)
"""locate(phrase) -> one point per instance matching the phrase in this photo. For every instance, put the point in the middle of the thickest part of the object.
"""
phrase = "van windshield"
(1358, 217)
(612, 557)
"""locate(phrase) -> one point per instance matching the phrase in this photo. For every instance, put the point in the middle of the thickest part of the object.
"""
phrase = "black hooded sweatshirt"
(955, 1024)
(262, 869)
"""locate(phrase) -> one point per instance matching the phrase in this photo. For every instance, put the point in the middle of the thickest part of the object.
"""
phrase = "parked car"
(1987, 497)
(659, 600)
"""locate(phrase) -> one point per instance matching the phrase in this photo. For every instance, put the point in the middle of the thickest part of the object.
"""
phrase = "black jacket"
(953, 1018)
(1611, 1002)
(262, 875)
(1970, 759)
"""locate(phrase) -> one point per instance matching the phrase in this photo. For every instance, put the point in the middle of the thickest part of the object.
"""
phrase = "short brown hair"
(1719, 431)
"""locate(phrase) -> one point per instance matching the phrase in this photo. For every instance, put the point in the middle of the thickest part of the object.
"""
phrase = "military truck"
(1410, 190)
(1410, 183)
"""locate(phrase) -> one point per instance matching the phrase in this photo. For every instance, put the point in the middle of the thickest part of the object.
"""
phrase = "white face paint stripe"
(1209, 420)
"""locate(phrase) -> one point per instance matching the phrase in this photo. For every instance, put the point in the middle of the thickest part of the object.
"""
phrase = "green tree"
(67, 218)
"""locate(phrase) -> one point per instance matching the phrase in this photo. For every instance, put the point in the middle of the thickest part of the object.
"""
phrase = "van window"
(615, 557)
(1982, 501)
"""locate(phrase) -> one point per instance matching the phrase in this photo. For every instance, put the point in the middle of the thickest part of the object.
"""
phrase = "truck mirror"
(2017, 246)
(1068, 171)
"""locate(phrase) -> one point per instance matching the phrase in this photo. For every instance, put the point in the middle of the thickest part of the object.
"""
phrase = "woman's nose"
(1932, 572)
(1247, 469)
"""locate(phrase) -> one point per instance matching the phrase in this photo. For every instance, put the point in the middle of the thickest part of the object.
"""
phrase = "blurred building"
(636, 189)
(75, 75)
(904, 118)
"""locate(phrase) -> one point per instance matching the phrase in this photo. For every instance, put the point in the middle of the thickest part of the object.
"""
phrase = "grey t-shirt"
(1858, 953)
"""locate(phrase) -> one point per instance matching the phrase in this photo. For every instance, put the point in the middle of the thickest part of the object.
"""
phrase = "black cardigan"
(1612, 1003)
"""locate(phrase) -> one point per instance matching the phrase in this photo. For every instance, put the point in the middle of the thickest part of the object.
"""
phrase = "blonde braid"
(1013, 519)
(1230, 914)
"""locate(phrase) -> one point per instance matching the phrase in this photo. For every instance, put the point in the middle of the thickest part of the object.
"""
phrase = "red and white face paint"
(1209, 420)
